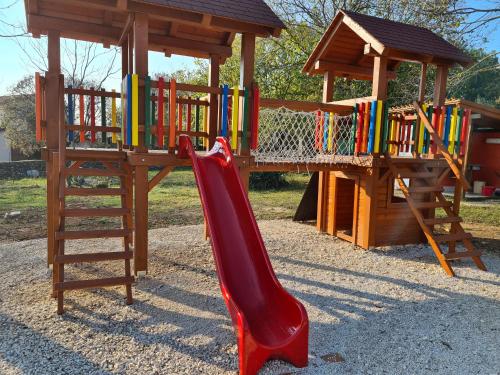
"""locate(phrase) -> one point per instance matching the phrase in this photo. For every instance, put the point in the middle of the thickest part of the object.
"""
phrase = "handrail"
(441, 147)
(298, 105)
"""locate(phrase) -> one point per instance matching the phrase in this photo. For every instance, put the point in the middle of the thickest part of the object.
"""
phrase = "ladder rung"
(425, 189)
(416, 174)
(85, 234)
(97, 283)
(432, 204)
(91, 191)
(98, 212)
(460, 236)
(443, 220)
(463, 254)
(92, 172)
(94, 257)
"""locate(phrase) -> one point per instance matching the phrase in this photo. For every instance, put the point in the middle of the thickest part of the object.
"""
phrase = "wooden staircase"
(424, 182)
(112, 165)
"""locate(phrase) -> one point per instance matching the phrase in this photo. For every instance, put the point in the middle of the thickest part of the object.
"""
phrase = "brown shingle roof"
(408, 38)
(252, 11)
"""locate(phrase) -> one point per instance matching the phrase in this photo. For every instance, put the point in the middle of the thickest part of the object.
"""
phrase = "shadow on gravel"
(31, 352)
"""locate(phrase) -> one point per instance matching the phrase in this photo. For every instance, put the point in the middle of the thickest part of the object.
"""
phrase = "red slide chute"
(270, 323)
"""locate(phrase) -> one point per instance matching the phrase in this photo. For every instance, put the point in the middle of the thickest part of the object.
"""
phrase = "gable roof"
(252, 11)
(396, 40)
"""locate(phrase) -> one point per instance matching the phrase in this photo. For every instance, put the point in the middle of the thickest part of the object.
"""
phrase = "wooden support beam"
(187, 47)
(351, 71)
(126, 29)
(159, 176)
(421, 86)
(247, 68)
(213, 81)
(141, 187)
(124, 55)
(440, 85)
(379, 86)
(328, 86)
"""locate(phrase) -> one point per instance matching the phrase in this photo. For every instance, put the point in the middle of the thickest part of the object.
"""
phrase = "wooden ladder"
(112, 166)
(426, 183)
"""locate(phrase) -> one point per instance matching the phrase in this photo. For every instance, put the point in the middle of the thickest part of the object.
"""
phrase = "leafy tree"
(18, 117)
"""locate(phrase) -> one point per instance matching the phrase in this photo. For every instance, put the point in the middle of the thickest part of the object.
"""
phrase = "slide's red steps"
(270, 323)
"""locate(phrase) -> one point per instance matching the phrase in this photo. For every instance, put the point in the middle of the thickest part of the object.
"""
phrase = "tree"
(18, 117)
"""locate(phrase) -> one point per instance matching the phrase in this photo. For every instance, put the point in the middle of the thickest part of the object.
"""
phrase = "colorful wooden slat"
(189, 116)
(82, 117)
(371, 132)
(453, 130)
(421, 133)
(235, 117)
(124, 110)
(129, 109)
(394, 133)
(113, 117)
(459, 130)
(359, 130)
(326, 124)
(317, 130)
(464, 132)
(197, 122)
(408, 136)
(38, 107)
(254, 139)
(413, 138)
(366, 127)
(447, 125)
(92, 116)
(246, 120)
(225, 105)
(160, 127)
(331, 125)
(104, 137)
(135, 110)
(71, 114)
(378, 127)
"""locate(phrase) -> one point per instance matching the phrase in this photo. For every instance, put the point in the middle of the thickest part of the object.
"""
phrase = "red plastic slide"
(270, 323)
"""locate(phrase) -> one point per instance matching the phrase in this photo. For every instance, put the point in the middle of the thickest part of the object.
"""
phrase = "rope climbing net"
(287, 136)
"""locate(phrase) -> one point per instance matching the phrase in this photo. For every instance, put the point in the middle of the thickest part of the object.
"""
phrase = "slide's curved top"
(270, 322)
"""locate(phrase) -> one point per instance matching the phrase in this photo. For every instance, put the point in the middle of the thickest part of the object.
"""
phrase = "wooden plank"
(159, 176)
(91, 172)
(425, 205)
(213, 81)
(84, 192)
(98, 283)
(93, 257)
(453, 237)
(461, 255)
(379, 84)
(425, 189)
(442, 220)
(141, 185)
(297, 105)
(81, 234)
(97, 212)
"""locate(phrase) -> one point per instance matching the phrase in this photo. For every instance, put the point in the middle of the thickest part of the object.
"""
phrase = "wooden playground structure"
(138, 128)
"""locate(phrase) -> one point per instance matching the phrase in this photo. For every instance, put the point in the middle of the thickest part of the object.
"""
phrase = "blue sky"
(14, 65)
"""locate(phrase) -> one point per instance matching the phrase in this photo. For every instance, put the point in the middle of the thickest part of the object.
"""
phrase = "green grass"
(175, 201)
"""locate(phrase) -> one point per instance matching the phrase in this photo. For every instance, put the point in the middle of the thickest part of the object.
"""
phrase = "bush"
(267, 181)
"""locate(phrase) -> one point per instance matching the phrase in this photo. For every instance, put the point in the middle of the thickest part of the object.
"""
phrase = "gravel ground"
(385, 311)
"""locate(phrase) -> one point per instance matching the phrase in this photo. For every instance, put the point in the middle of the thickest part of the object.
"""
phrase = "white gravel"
(385, 311)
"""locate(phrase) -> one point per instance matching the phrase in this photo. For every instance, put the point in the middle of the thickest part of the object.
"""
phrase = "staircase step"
(443, 220)
(86, 234)
(460, 236)
(93, 257)
(423, 205)
(92, 172)
(425, 189)
(84, 192)
(97, 212)
(97, 283)
(463, 254)
(411, 174)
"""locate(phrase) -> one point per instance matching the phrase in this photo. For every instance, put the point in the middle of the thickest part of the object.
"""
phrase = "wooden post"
(141, 47)
(125, 56)
(440, 85)
(247, 69)
(421, 99)
(321, 218)
(328, 86)
(213, 110)
(379, 85)
(52, 132)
